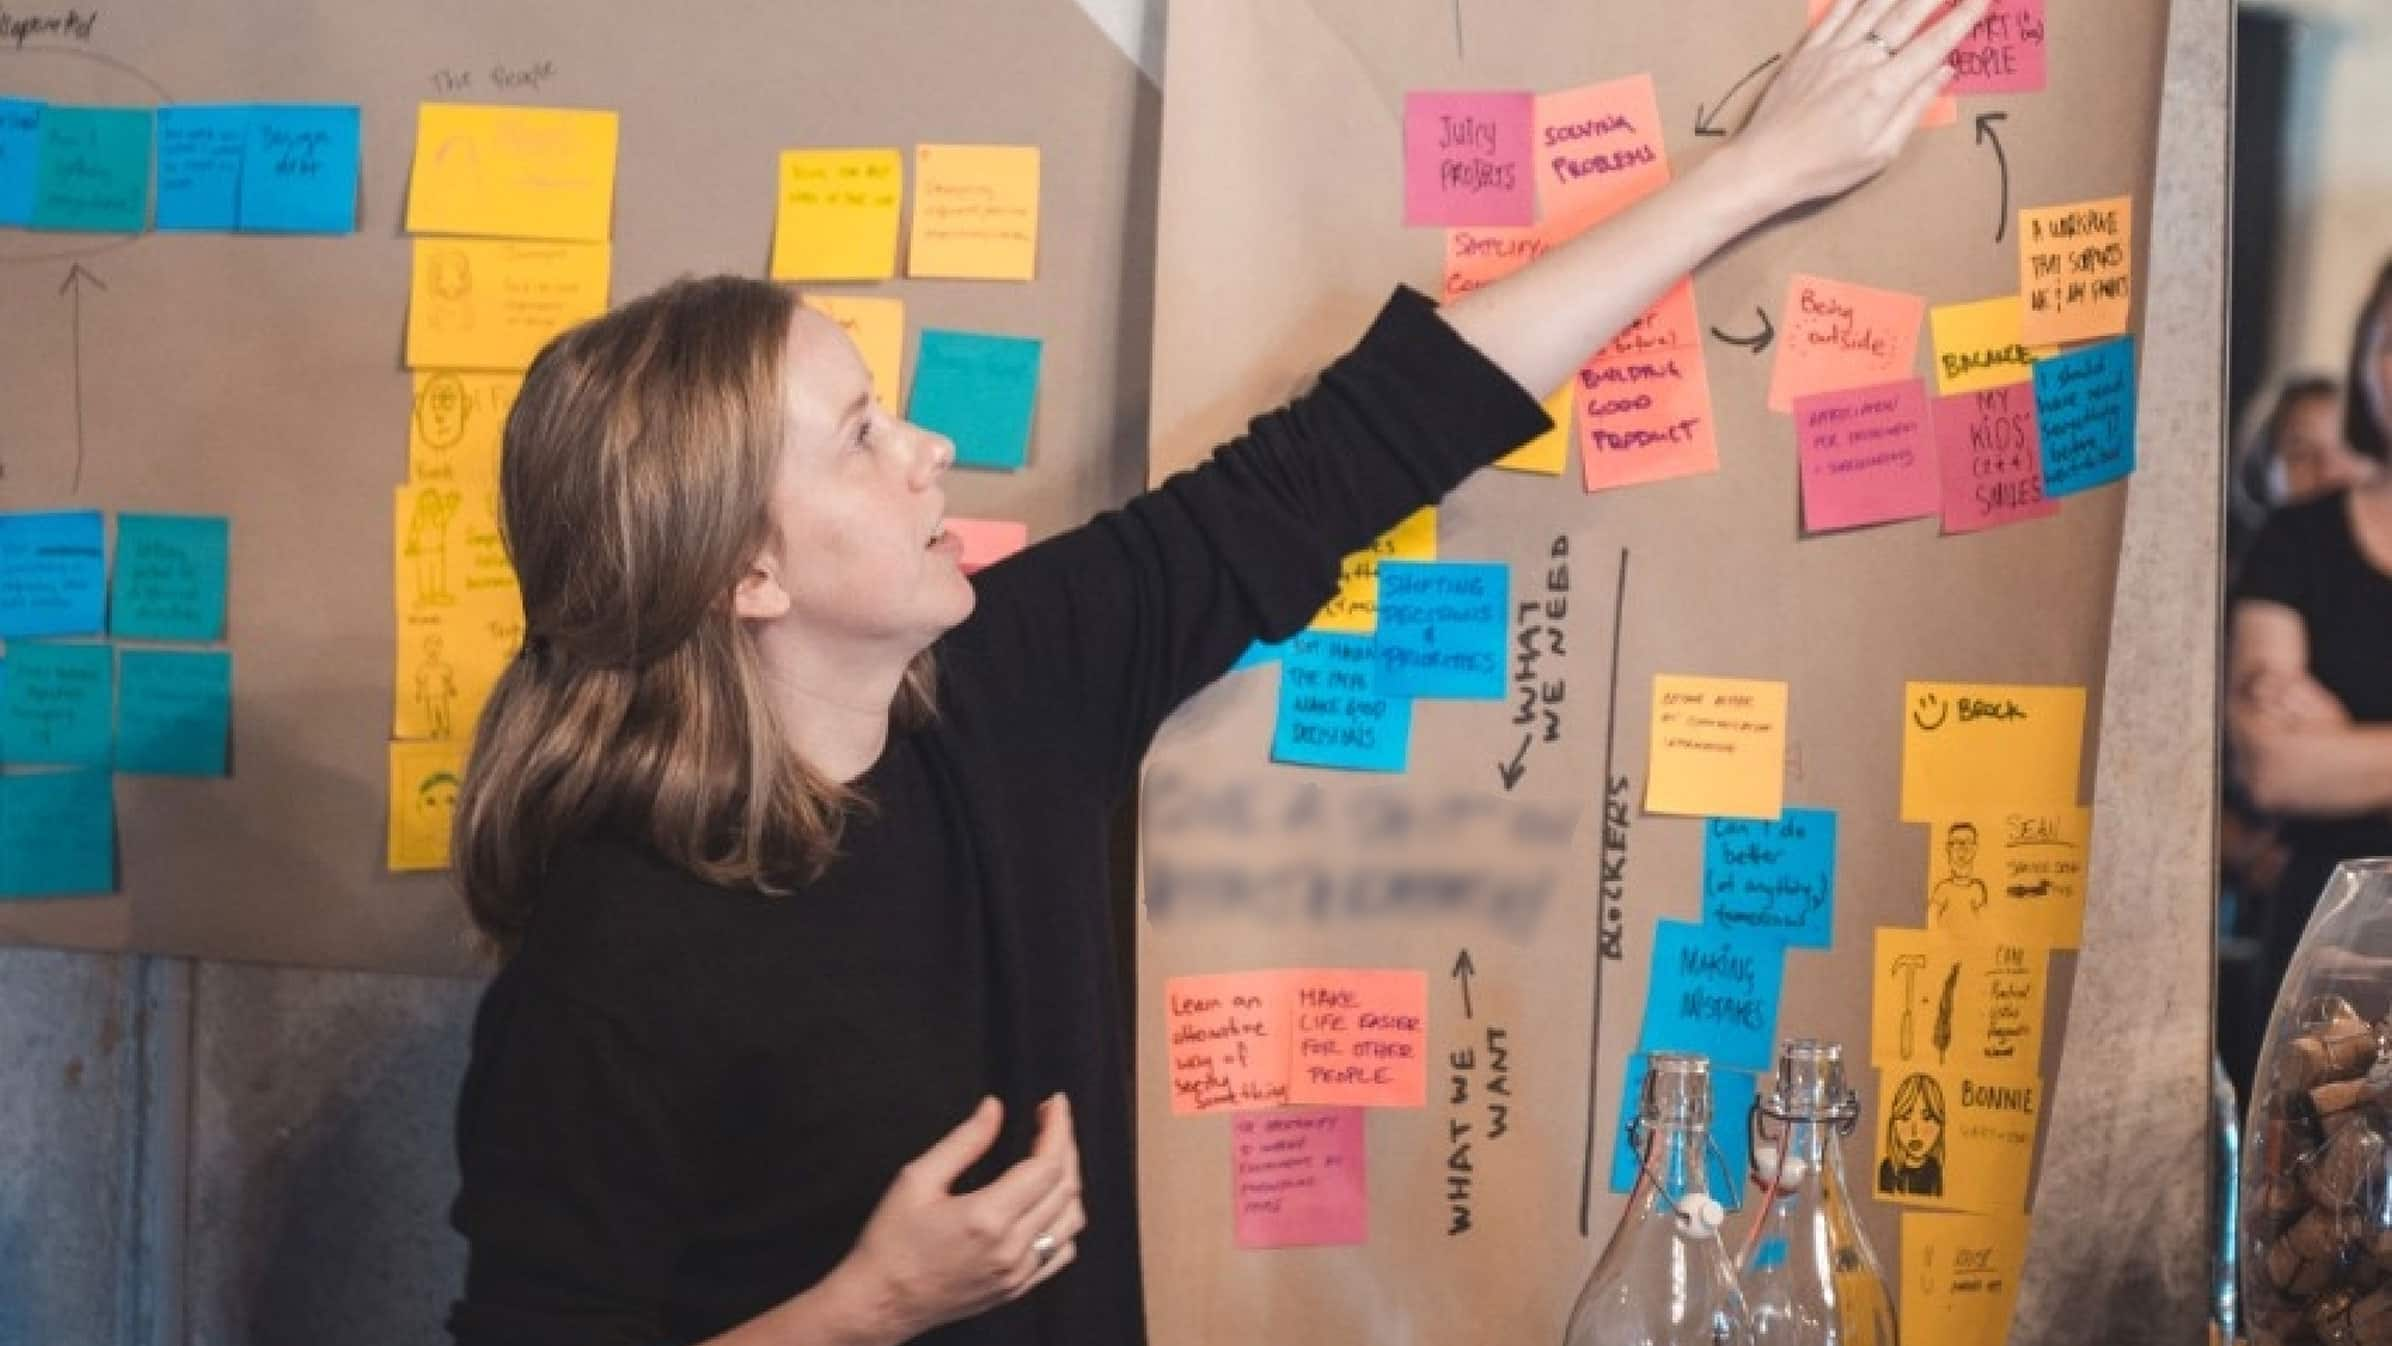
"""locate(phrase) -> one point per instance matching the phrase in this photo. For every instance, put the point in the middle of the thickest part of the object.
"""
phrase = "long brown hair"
(633, 481)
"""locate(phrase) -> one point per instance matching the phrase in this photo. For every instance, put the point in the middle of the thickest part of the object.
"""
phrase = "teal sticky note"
(199, 165)
(174, 711)
(20, 158)
(980, 391)
(1441, 629)
(2085, 414)
(53, 574)
(1732, 1094)
(1713, 991)
(1257, 654)
(55, 707)
(300, 173)
(1328, 713)
(1773, 878)
(94, 171)
(57, 834)
(169, 578)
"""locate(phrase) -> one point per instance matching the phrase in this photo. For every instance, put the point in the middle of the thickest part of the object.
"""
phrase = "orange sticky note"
(2076, 270)
(1718, 748)
(877, 327)
(1670, 324)
(988, 541)
(1598, 149)
(838, 215)
(1944, 111)
(1837, 335)
(1645, 418)
(1229, 1041)
(1479, 255)
(1361, 1037)
(1548, 453)
(975, 212)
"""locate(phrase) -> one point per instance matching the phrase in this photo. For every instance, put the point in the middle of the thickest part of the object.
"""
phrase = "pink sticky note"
(988, 541)
(1868, 456)
(1837, 335)
(1944, 111)
(1992, 458)
(1645, 418)
(1299, 1180)
(1361, 1037)
(1598, 149)
(1668, 325)
(1229, 1041)
(1466, 158)
(2003, 52)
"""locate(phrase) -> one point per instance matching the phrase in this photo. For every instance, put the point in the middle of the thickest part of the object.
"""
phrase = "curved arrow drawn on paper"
(1755, 344)
(1704, 125)
(1985, 132)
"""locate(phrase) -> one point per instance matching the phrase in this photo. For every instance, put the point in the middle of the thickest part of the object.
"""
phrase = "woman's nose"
(937, 455)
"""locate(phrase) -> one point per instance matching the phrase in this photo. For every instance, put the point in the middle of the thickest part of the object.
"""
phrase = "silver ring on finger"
(1043, 1247)
(1878, 41)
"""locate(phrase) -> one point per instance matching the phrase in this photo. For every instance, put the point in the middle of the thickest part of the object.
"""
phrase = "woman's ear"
(759, 596)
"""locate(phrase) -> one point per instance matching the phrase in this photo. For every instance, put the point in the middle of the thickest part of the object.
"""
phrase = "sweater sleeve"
(1100, 632)
(579, 1176)
(2283, 563)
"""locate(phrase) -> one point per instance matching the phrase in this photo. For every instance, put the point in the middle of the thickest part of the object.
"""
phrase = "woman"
(780, 905)
(1914, 1140)
(2309, 675)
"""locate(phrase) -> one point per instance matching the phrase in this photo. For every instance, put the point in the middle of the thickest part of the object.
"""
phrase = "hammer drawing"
(1908, 966)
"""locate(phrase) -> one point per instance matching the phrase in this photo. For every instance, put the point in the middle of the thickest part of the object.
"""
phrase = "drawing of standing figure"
(427, 544)
(436, 690)
(1914, 1140)
(1960, 884)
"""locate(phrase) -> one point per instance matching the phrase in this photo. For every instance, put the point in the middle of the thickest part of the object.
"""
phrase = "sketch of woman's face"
(1915, 1134)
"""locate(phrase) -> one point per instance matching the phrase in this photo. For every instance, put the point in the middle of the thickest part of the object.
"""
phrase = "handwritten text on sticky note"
(1230, 1037)
(2085, 415)
(1939, 1001)
(1958, 1139)
(513, 172)
(1775, 878)
(1714, 991)
(2076, 270)
(57, 704)
(53, 570)
(170, 577)
(1960, 1277)
(1868, 456)
(486, 304)
(1992, 459)
(975, 212)
(1718, 747)
(1329, 713)
(1361, 1037)
(1970, 747)
(1442, 629)
(1298, 1178)
(174, 712)
(838, 215)
(1466, 158)
(1977, 346)
(2010, 874)
(1598, 149)
(1834, 334)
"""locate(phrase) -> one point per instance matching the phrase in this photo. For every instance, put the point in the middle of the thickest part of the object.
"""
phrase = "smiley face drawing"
(1929, 712)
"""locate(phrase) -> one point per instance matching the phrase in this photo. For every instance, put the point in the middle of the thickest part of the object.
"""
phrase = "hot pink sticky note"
(2003, 52)
(1299, 1178)
(1598, 149)
(1361, 1037)
(1645, 418)
(988, 541)
(1835, 335)
(1868, 456)
(1992, 458)
(1466, 158)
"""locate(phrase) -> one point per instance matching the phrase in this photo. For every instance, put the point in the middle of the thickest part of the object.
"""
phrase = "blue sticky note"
(53, 574)
(1441, 629)
(980, 391)
(300, 173)
(2085, 412)
(1732, 1094)
(169, 578)
(55, 707)
(1328, 714)
(20, 158)
(94, 171)
(57, 834)
(1713, 991)
(199, 165)
(174, 711)
(1775, 878)
(1257, 654)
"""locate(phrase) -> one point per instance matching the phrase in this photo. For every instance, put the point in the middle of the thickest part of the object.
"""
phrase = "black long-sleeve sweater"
(684, 1101)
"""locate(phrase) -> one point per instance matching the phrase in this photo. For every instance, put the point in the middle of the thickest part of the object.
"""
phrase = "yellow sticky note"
(460, 614)
(1718, 748)
(1355, 608)
(453, 433)
(2014, 874)
(513, 172)
(1939, 1002)
(975, 212)
(1977, 346)
(2076, 270)
(424, 780)
(877, 327)
(838, 216)
(1968, 747)
(1548, 453)
(491, 304)
(1960, 1277)
(1958, 1139)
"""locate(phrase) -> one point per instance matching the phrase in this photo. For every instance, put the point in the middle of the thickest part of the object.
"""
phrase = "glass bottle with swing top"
(1808, 1272)
(1665, 1278)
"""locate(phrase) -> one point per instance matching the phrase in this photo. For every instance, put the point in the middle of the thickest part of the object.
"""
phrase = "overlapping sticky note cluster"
(273, 168)
(76, 710)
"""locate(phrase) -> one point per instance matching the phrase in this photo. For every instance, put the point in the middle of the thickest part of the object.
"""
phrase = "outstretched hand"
(1843, 106)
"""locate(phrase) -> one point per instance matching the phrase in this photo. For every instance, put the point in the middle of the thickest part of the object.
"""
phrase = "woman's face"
(2310, 450)
(861, 563)
(1915, 1134)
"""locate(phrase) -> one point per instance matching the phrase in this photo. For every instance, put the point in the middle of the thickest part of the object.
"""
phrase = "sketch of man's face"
(1915, 1134)
(440, 415)
(1960, 848)
(452, 275)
